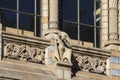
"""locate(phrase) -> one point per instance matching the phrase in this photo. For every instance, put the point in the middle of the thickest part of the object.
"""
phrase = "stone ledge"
(25, 71)
(89, 76)
(91, 51)
(25, 39)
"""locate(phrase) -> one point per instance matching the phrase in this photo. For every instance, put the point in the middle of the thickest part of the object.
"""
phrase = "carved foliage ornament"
(92, 64)
(24, 52)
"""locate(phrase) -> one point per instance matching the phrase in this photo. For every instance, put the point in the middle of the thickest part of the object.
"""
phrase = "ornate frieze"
(24, 52)
(89, 60)
(91, 64)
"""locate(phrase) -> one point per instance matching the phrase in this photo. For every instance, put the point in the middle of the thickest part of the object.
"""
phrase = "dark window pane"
(38, 7)
(38, 27)
(86, 11)
(27, 5)
(26, 22)
(71, 29)
(70, 10)
(11, 4)
(87, 33)
(8, 18)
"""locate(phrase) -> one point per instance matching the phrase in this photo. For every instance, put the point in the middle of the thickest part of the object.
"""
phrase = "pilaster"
(104, 21)
(44, 18)
(113, 26)
(113, 36)
(53, 17)
(119, 18)
(63, 71)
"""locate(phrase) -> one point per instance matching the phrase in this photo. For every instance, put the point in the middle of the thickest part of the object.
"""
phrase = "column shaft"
(53, 13)
(104, 22)
(119, 18)
(44, 18)
(113, 26)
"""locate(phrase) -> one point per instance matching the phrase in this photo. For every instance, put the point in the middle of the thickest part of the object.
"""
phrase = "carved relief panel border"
(23, 52)
(89, 63)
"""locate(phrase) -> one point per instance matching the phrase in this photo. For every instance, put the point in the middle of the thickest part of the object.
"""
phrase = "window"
(21, 14)
(89, 22)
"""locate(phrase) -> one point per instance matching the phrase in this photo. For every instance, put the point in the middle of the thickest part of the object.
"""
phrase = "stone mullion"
(53, 13)
(104, 22)
(113, 26)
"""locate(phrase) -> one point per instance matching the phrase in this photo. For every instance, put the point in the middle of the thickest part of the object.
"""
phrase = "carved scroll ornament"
(24, 52)
(91, 64)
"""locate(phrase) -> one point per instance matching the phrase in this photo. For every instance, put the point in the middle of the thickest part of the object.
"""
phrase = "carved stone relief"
(24, 52)
(91, 64)
(61, 46)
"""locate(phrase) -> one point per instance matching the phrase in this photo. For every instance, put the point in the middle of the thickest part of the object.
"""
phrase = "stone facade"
(54, 56)
(35, 54)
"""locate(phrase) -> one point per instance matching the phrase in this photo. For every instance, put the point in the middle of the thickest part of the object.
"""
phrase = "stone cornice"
(91, 51)
(35, 41)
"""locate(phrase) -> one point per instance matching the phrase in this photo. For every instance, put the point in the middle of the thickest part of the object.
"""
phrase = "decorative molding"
(24, 52)
(91, 64)
(24, 48)
(89, 60)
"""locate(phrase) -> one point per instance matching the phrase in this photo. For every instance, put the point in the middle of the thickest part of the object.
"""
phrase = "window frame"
(18, 12)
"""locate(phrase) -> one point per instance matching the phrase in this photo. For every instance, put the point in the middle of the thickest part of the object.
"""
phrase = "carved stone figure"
(62, 45)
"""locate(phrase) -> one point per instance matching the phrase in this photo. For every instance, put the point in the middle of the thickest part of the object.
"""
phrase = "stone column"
(44, 18)
(104, 22)
(53, 14)
(119, 18)
(113, 27)
(113, 42)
